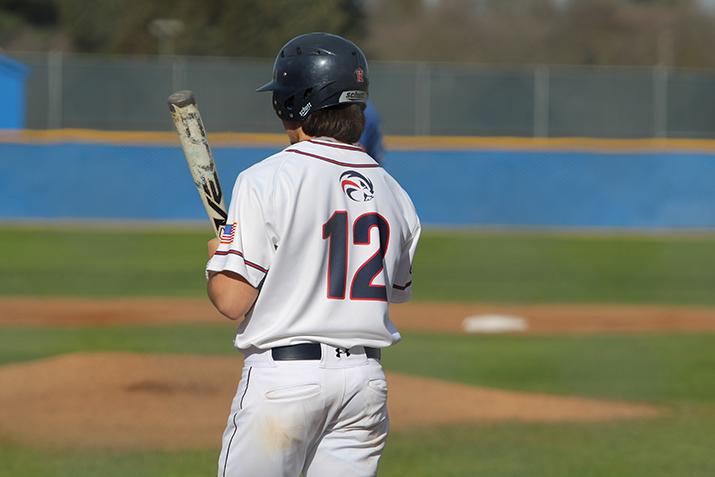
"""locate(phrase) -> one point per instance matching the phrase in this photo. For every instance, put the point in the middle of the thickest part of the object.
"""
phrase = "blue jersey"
(371, 138)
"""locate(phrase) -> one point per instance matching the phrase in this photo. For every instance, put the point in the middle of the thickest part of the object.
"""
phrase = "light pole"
(166, 30)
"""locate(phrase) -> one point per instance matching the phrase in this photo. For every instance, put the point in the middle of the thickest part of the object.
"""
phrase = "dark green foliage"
(623, 32)
(28, 24)
(251, 28)
(34, 12)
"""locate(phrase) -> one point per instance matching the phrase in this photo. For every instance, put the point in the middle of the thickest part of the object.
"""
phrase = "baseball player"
(371, 138)
(319, 240)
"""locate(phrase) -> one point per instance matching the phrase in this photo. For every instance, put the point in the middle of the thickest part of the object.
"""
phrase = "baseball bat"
(197, 152)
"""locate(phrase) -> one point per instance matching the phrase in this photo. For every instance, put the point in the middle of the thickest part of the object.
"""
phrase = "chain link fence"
(129, 93)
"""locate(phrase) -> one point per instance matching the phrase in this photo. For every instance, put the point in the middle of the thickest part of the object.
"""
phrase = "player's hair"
(343, 123)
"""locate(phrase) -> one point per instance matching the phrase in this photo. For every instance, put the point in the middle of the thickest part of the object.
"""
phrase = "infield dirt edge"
(131, 401)
(416, 316)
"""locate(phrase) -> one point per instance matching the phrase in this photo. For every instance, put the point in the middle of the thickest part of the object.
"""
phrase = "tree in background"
(29, 24)
(616, 32)
(591, 32)
(211, 27)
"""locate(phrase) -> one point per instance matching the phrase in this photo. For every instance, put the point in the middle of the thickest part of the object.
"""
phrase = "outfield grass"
(677, 446)
(642, 367)
(28, 343)
(673, 371)
(461, 266)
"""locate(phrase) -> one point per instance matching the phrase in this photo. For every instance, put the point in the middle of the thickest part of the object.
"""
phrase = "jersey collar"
(335, 152)
(330, 142)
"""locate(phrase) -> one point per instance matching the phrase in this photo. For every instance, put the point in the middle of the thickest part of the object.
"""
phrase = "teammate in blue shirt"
(371, 138)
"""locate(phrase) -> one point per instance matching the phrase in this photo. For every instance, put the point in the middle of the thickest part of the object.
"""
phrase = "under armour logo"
(340, 351)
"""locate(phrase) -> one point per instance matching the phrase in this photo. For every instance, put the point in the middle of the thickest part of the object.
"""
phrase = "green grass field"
(464, 266)
(675, 371)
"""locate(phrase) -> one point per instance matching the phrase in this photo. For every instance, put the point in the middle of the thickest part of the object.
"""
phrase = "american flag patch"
(228, 233)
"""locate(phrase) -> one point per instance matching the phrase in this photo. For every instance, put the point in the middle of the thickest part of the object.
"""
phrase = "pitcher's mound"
(141, 401)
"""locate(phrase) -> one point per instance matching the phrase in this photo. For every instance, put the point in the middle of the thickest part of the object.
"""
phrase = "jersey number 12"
(335, 231)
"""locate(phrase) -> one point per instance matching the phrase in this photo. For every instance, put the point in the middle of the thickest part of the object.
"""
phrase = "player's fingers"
(212, 246)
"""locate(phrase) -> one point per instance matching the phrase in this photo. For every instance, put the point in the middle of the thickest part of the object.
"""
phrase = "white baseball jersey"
(328, 237)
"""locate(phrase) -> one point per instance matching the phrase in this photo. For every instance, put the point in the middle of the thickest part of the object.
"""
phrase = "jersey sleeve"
(246, 246)
(402, 284)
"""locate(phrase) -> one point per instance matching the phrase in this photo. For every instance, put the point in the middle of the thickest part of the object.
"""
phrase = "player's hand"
(212, 246)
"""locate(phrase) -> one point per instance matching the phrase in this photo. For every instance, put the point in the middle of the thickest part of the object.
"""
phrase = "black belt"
(312, 351)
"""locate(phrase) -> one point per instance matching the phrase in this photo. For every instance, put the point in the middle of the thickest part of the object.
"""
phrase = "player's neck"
(303, 136)
(295, 132)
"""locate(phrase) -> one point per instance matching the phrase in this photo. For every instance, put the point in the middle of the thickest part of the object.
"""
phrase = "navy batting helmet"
(315, 71)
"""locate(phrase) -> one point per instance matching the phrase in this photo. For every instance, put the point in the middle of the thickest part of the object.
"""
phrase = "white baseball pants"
(323, 418)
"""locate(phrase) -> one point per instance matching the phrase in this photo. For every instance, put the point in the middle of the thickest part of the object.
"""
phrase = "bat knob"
(182, 98)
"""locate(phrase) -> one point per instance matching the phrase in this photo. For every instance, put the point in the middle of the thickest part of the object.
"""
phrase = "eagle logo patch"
(356, 186)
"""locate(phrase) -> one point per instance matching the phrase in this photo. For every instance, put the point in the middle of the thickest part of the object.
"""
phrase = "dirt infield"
(136, 401)
(141, 401)
(425, 317)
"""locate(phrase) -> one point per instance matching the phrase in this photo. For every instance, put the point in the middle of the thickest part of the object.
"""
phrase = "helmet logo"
(353, 97)
(305, 110)
(356, 186)
(359, 75)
